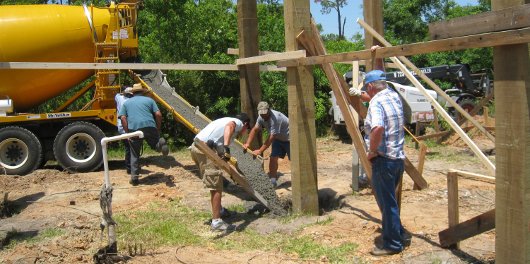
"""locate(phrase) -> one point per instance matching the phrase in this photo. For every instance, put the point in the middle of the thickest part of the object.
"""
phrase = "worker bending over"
(217, 135)
(277, 124)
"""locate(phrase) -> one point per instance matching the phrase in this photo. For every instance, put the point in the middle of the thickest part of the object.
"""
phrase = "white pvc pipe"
(104, 142)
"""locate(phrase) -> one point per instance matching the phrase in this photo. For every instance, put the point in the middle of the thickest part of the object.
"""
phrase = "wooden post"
(249, 82)
(421, 162)
(373, 15)
(512, 128)
(485, 114)
(452, 202)
(302, 128)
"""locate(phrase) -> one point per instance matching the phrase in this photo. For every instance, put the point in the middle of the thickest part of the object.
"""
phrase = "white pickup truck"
(421, 107)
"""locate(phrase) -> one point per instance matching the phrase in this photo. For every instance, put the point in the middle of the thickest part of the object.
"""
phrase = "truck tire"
(20, 151)
(77, 147)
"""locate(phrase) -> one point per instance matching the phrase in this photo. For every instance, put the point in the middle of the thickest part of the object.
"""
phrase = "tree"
(328, 6)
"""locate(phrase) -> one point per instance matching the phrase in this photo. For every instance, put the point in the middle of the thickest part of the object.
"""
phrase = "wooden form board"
(516, 36)
(472, 227)
(489, 165)
(504, 19)
(453, 213)
(230, 169)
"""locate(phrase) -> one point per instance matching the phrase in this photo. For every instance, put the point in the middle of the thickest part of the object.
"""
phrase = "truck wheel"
(20, 151)
(77, 147)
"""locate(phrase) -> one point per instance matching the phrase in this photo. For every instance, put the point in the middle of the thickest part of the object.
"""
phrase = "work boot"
(161, 146)
(383, 251)
(134, 180)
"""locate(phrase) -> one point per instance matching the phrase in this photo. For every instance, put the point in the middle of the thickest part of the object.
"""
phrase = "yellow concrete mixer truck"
(66, 34)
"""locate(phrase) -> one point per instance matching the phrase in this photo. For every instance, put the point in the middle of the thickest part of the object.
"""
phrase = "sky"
(352, 12)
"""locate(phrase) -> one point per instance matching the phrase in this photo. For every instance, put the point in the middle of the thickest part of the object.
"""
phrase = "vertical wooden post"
(249, 82)
(512, 126)
(373, 15)
(421, 162)
(452, 201)
(302, 128)
(485, 114)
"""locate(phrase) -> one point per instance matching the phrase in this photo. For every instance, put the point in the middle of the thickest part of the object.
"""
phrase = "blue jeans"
(386, 174)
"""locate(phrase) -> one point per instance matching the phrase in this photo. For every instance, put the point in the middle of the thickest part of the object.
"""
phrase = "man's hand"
(371, 154)
(354, 91)
(245, 146)
(226, 153)
(256, 152)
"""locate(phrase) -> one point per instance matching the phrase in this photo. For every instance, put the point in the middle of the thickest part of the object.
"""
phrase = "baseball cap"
(128, 90)
(263, 108)
(372, 76)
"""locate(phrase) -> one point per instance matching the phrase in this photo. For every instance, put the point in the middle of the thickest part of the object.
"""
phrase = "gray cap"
(263, 108)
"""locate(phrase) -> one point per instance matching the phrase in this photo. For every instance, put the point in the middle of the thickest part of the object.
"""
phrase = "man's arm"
(376, 135)
(251, 136)
(378, 63)
(265, 145)
(124, 123)
(229, 131)
(158, 119)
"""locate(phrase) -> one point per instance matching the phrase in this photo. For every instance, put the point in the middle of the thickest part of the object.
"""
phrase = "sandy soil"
(50, 198)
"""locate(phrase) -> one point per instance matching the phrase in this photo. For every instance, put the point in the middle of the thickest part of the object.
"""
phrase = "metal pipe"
(104, 142)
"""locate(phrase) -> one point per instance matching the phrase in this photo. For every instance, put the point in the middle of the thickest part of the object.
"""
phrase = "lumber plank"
(473, 176)
(272, 57)
(230, 169)
(485, 161)
(472, 227)
(128, 66)
(509, 37)
(504, 19)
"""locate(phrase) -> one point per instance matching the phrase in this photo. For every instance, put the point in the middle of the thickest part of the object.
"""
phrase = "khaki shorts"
(212, 177)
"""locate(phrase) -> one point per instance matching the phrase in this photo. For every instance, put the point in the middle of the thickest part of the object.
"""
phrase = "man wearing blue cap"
(385, 137)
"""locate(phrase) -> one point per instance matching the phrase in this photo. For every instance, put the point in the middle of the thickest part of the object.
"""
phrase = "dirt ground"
(51, 198)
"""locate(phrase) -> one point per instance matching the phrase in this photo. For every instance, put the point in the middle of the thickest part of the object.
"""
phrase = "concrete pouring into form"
(249, 166)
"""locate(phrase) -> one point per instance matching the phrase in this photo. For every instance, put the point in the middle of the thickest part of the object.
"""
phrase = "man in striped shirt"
(385, 138)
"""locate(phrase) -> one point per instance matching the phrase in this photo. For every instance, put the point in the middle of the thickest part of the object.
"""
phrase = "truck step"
(250, 167)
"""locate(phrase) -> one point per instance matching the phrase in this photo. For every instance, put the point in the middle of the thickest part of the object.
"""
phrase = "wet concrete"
(250, 167)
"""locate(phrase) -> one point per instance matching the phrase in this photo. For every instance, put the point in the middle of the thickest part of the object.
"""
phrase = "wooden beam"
(128, 66)
(472, 227)
(452, 203)
(231, 170)
(272, 57)
(301, 102)
(421, 161)
(512, 121)
(505, 19)
(509, 37)
(489, 165)
(373, 13)
(249, 76)
(232, 51)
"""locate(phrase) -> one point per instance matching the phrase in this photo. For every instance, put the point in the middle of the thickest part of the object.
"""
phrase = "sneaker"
(161, 146)
(134, 180)
(274, 182)
(221, 226)
(383, 252)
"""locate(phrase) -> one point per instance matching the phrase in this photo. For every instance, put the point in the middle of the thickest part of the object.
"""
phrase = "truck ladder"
(251, 175)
